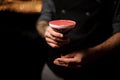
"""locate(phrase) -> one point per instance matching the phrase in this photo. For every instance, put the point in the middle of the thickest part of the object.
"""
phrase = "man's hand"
(83, 57)
(71, 60)
(54, 38)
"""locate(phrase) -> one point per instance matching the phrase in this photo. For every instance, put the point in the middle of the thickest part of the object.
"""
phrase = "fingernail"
(61, 35)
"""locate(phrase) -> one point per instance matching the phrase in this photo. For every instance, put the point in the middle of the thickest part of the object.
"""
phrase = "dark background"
(21, 48)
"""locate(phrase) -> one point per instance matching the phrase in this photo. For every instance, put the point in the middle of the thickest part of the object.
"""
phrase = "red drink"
(62, 25)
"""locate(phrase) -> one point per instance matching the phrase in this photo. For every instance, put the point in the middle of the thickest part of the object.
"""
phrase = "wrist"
(90, 55)
(41, 27)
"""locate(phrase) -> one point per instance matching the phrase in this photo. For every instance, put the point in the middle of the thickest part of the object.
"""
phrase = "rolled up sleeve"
(48, 10)
(116, 20)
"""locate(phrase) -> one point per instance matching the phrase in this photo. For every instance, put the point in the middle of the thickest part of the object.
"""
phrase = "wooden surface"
(21, 6)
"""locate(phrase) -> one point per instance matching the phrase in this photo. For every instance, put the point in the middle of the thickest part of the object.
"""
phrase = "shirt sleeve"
(116, 19)
(48, 10)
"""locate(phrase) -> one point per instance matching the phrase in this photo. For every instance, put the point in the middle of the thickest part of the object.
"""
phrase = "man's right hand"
(54, 38)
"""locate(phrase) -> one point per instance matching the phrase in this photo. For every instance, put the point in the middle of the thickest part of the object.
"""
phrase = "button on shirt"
(63, 11)
(87, 13)
(98, 1)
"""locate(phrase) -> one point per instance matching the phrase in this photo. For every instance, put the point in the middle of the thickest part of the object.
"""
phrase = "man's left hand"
(71, 60)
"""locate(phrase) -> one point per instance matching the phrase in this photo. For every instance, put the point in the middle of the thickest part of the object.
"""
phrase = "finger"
(65, 60)
(56, 42)
(55, 33)
(59, 63)
(64, 64)
(56, 61)
(57, 39)
(50, 33)
(69, 65)
(51, 40)
(70, 60)
(53, 43)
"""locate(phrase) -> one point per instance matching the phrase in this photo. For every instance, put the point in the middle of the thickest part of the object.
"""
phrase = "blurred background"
(18, 19)
(22, 49)
(20, 45)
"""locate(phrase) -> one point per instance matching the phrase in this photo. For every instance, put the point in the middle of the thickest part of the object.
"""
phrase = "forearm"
(106, 47)
(109, 44)
(41, 26)
(114, 41)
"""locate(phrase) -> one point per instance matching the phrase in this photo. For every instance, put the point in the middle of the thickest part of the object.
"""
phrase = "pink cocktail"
(62, 25)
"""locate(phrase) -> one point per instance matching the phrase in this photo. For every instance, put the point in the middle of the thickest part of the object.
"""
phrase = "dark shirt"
(92, 17)
(116, 17)
(96, 22)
